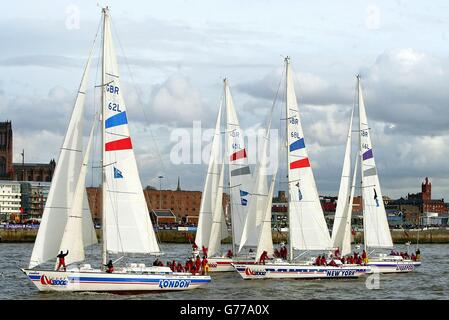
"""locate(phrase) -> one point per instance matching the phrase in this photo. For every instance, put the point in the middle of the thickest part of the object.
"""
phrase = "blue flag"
(244, 202)
(117, 173)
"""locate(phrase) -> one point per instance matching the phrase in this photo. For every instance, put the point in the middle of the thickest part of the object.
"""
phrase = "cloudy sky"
(173, 56)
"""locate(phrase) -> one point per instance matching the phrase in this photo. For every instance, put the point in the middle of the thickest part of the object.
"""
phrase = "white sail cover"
(308, 229)
(127, 221)
(258, 198)
(210, 190)
(265, 236)
(65, 178)
(240, 179)
(376, 230)
(72, 240)
(342, 212)
(218, 232)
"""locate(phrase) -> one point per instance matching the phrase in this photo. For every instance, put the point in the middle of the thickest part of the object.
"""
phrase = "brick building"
(184, 204)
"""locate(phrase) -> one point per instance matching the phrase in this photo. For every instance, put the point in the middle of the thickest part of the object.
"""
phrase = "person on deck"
(61, 256)
(413, 257)
(198, 263)
(110, 267)
(156, 262)
(337, 253)
(263, 257)
(276, 253)
(343, 260)
(364, 257)
(179, 267)
(204, 249)
(332, 263)
(318, 261)
(323, 261)
(418, 255)
(229, 254)
(204, 266)
(194, 246)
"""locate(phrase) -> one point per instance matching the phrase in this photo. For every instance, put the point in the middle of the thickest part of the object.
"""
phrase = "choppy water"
(430, 281)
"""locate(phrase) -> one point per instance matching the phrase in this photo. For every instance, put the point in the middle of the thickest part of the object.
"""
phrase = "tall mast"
(361, 162)
(104, 253)
(287, 63)
(225, 83)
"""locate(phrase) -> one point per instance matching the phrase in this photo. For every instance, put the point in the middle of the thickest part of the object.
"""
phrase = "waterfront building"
(10, 201)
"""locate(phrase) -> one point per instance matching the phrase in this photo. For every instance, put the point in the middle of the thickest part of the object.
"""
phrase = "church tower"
(6, 150)
(426, 189)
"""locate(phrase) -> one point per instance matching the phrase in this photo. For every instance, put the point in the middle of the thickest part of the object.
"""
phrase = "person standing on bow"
(61, 257)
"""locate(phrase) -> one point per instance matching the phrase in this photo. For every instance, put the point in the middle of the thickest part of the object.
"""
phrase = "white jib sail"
(376, 229)
(218, 219)
(128, 225)
(339, 227)
(258, 198)
(65, 177)
(346, 241)
(73, 239)
(265, 236)
(210, 189)
(240, 179)
(308, 229)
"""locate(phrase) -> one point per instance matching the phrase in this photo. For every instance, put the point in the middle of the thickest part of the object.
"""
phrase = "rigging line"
(139, 98)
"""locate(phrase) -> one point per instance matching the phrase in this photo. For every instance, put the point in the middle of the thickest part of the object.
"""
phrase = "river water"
(430, 281)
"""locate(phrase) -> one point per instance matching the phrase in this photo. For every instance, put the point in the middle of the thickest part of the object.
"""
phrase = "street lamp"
(160, 192)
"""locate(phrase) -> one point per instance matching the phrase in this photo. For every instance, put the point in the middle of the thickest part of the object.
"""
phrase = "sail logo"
(243, 201)
(174, 283)
(250, 272)
(117, 173)
(340, 273)
(53, 282)
(402, 267)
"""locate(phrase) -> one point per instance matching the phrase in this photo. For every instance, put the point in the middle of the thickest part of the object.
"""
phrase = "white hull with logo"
(123, 280)
(392, 264)
(286, 270)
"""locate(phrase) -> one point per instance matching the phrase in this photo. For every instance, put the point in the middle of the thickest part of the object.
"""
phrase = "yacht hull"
(98, 281)
(299, 271)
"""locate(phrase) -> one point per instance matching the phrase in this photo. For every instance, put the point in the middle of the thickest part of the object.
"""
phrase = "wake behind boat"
(127, 229)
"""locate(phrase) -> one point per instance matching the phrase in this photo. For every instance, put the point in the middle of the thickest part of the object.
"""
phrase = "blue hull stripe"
(123, 280)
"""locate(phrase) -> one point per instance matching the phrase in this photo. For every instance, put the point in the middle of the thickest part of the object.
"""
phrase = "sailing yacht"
(212, 227)
(127, 229)
(307, 227)
(375, 224)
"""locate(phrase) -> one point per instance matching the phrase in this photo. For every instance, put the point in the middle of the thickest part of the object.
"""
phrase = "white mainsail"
(376, 229)
(65, 178)
(240, 180)
(258, 198)
(307, 226)
(341, 212)
(125, 212)
(72, 241)
(210, 190)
